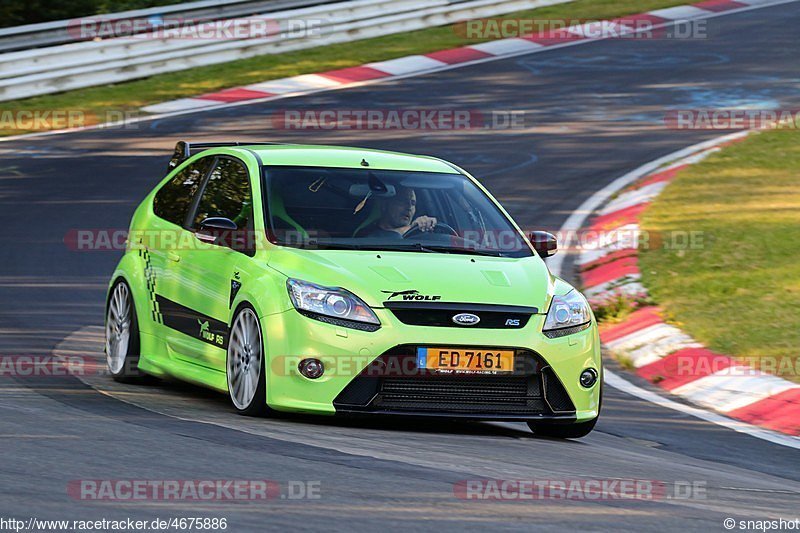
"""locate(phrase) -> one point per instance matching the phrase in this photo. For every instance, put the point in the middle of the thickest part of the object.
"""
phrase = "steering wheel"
(440, 227)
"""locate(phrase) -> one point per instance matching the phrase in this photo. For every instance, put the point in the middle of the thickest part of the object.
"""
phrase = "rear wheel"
(247, 384)
(122, 334)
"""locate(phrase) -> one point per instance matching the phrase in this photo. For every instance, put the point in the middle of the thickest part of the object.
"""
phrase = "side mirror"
(544, 243)
(216, 230)
(180, 154)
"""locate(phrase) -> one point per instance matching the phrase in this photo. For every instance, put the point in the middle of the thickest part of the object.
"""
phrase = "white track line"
(291, 85)
(680, 13)
(741, 427)
(407, 65)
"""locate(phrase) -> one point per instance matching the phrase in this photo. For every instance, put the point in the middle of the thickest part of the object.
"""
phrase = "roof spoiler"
(184, 150)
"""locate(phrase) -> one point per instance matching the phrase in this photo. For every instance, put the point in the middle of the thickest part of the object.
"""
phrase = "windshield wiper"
(330, 245)
(410, 247)
(414, 247)
(465, 251)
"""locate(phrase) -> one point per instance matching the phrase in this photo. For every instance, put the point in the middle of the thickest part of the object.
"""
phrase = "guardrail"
(77, 65)
(59, 31)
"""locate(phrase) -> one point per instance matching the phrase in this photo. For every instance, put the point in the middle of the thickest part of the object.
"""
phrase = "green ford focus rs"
(331, 280)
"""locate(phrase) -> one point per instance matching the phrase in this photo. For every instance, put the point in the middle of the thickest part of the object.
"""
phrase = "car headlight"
(332, 305)
(568, 314)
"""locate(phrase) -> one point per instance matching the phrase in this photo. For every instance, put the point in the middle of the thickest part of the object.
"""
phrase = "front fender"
(265, 291)
(132, 269)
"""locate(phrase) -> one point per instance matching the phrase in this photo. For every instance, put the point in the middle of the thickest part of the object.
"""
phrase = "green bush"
(19, 12)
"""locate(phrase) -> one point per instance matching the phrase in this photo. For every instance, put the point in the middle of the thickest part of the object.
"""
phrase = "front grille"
(532, 389)
(489, 386)
(440, 314)
(462, 394)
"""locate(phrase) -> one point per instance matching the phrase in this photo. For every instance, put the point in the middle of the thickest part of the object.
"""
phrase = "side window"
(227, 194)
(174, 200)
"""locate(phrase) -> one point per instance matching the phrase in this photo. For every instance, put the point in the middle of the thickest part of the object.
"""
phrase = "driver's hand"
(425, 223)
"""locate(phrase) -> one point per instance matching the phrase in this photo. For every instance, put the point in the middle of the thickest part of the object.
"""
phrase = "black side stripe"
(150, 279)
(190, 322)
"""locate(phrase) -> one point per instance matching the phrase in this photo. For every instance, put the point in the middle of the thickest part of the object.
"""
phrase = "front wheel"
(122, 334)
(247, 384)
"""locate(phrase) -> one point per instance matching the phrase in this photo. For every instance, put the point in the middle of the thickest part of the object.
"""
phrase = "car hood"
(378, 277)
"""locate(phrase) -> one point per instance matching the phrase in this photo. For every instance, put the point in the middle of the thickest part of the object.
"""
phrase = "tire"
(246, 388)
(563, 431)
(122, 335)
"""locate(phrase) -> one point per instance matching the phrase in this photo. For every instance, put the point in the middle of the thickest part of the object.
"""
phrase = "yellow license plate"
(466, 360)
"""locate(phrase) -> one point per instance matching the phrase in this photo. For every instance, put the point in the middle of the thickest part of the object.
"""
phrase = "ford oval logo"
(466, 319)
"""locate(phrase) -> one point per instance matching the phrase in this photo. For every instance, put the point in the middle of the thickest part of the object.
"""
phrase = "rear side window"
(227, 194)
(174, 200)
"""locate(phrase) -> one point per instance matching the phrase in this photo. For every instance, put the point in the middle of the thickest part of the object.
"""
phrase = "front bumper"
(349, 354)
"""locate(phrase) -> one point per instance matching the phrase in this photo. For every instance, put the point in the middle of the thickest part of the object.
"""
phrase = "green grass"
(739, 293)
(617, 307)
(130, 96)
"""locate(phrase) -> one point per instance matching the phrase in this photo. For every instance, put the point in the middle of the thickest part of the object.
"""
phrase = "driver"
(397, 215)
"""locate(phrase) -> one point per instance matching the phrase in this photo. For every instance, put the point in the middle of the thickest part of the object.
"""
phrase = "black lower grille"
(557, 397)
(488, 386)
(521, 393)
(474, 394)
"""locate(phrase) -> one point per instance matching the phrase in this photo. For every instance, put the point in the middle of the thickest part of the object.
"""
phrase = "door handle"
(172, 256)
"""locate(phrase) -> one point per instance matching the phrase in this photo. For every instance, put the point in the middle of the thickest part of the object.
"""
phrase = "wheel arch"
(131, 270)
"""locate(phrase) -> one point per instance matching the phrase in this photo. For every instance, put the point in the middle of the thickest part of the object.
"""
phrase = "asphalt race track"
(593, 112)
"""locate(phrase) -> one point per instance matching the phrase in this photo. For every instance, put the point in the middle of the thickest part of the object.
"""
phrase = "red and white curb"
(446, 59)
(662, 353)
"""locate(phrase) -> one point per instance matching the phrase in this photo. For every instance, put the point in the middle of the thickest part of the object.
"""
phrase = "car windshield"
(312, 207)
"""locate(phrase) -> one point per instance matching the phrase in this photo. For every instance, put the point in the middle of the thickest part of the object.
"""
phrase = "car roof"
(345, 157)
